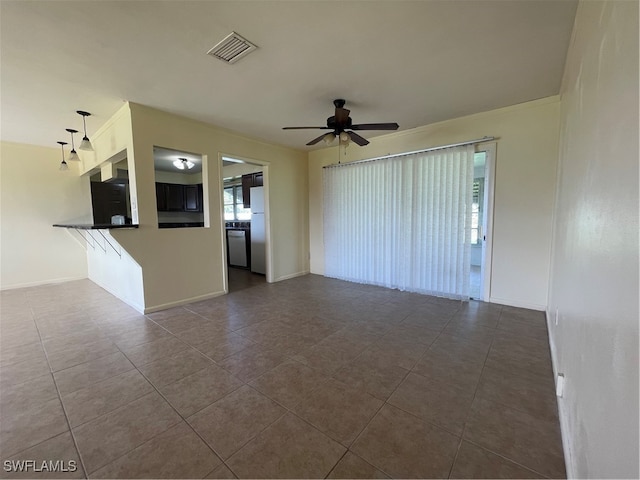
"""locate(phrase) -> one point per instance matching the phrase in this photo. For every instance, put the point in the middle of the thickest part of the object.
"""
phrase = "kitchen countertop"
(94, 226)
(180, 224)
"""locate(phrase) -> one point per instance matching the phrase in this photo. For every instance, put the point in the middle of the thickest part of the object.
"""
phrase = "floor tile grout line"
(430, 422)
(116, 408)
(336, 464)
(475, 393)
(474, 397)
(455, 457)
(64, 410)
(464, 425)
(99, 381)
(245, 443)
(294, 413)
(183, 419)
(309, 423)
(476, 444)
(121, 406)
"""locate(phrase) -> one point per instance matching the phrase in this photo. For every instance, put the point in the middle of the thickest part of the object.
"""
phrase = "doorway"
(482, 222)
(246, 230)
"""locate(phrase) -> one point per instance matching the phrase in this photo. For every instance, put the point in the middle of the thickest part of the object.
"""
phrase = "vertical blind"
(402, 223)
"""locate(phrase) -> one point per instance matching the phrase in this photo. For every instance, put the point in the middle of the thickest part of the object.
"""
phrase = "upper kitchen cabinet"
(175, 197)
(193, 198)
(248, 181)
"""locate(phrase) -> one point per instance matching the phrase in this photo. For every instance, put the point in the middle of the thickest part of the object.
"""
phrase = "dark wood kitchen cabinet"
(161, 197)
(173, 197)
(248, 181)
(193, 198)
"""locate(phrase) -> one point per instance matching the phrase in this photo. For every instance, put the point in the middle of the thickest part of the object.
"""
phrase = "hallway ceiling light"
(73, 155)
(63, 164)
(183, 163)
(85, 144)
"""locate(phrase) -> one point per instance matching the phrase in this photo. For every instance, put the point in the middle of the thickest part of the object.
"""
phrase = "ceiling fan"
(340, 123)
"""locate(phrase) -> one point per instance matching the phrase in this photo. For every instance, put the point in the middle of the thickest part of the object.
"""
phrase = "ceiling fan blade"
(341, 115)
(358, 139)
(305, 128)
(375, 126)
(316, 140)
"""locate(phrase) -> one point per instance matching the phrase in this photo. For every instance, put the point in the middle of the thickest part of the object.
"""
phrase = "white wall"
(594, 278)
(111, 267)
(35, 195)
(527, 151)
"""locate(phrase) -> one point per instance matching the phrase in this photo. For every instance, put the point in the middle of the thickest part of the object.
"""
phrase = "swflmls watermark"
(38, 466)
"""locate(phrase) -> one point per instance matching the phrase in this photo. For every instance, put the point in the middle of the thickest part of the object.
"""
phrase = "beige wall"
(594, 279)
(35, 195)
(524, 191)
(181, 265)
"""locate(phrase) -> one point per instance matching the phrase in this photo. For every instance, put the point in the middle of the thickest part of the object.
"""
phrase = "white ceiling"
(411, 62)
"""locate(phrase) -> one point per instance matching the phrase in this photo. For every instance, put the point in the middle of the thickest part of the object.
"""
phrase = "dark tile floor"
(306, 378)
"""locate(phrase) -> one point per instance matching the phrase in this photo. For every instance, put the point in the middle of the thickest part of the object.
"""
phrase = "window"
(476, 211)
(234, 205)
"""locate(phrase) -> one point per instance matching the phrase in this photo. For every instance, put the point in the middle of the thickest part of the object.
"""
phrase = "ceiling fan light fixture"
(329, 138)
(85, 144)
(344, 138)
(183, 163)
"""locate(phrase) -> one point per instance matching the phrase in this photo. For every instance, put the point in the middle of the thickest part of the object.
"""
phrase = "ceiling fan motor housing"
(332, 123)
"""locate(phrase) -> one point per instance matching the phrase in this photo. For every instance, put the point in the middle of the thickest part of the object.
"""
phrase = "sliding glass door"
(402, 222)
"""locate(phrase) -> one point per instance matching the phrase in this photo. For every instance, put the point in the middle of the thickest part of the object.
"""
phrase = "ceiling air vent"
(232, 48)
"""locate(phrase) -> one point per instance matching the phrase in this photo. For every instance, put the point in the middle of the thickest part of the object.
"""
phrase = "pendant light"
(85, 144)
(63, 165)
(73, 155)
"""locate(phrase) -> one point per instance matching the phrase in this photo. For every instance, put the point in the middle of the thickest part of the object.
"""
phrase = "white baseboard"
(292, 275)
(517, 303)
(178, 303)
(562, 414)
(52, 281)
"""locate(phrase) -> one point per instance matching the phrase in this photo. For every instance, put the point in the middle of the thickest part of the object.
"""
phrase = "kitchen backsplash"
(180, 217)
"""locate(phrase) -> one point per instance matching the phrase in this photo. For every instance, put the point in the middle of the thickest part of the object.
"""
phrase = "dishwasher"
(237, 245)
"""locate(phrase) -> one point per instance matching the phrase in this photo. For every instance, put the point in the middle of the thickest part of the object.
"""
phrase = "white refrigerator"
(258, 233)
